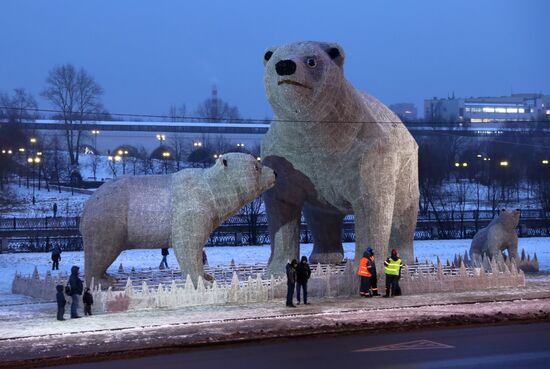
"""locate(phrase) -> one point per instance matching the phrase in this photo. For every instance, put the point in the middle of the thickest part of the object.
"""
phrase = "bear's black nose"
(285, 67)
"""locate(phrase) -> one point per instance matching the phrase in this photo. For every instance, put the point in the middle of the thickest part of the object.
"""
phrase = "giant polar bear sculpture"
(498, 236)
(179, 210)
(336, 151)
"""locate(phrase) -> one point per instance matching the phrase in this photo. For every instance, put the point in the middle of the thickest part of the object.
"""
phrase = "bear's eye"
(256, 167)
(311, 62)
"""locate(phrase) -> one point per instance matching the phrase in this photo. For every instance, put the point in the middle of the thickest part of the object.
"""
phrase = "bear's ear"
(224, 161)
(268, 54)
(336, 53)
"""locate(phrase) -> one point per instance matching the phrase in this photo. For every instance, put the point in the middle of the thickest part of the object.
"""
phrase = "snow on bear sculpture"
(498, 236)
(179, 210)
(336, 151)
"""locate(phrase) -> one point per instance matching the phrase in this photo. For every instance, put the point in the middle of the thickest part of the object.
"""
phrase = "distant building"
(514, 108)
(405, 111)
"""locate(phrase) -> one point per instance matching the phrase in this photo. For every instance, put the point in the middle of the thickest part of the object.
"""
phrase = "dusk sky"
(150, 54)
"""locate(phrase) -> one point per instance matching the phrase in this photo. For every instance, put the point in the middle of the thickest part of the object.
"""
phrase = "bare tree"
(77, 96)
(216, 110)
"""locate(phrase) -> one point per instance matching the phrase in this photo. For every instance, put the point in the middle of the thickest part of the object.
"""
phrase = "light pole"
(95, 132)
(33, 161)
(165, 157)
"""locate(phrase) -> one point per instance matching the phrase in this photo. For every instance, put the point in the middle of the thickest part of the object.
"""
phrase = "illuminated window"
(511, 110)
(488, 109)
(548, 112)
(476, 120)
(521, 110)
(467, 109)
(500, 110)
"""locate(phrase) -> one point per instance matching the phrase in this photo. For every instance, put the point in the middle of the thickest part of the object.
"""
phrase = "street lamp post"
(165, 157)
(95, 132)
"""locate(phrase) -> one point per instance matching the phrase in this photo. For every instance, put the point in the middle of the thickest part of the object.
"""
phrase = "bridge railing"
(39, 223)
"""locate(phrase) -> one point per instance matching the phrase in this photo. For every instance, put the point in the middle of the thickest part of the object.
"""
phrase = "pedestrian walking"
(374, 277)
(303, 272)
(56, 256)
(61, 302)
(163, 262)
(392, 269)
(290, 282)
(364, 273)
(54, 209)
(204, 258)
(88, 301)
(76, 286)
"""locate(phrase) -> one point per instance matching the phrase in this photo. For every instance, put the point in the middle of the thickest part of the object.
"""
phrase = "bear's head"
(302, 77)
(245, 174)
(509, 218)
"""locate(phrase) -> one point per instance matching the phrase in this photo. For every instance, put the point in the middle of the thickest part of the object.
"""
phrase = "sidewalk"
(29, 332)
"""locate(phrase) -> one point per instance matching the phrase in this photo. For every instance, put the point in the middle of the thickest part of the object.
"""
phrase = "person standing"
(365, 274)
(204, 258)
(392, 269)
(163, 262)
(61, 302)
(290, 282)
(88, 301)
(373, 278)
(54, 209)
(76, 286)
(56, 256)
(303, 272)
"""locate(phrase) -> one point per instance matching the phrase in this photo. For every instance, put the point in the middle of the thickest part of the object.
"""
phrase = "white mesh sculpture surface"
(179, 210)
(336, 151)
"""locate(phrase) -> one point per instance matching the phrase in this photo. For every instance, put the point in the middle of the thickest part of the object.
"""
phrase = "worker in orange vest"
(365, 275)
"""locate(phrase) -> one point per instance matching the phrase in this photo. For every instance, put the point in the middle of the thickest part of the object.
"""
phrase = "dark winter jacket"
(75, 282)
(88, 298)
(290, 274)
(60, 296)
(56, 253)
(165, 252)
(303, 272)
(372, 266)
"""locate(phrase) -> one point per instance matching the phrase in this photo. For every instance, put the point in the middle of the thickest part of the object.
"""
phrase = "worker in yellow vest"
(365, 274)
(392, 268)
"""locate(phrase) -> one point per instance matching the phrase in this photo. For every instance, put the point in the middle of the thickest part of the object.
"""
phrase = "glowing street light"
(464, 164)
(457, 165)
(197, 144)
(33, 140)
(545, 162)
(258, 158)
(503, 163)
(166, 154)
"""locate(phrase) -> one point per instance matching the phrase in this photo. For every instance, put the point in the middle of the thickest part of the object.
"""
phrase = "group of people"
(75, 289)
(298, 274)
(369, 278)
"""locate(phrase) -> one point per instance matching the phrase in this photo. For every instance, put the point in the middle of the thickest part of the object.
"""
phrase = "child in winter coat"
(88, 301)
(61, 301)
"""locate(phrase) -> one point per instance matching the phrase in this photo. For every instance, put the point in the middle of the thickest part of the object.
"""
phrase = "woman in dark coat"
(303, 272)
(75, 283)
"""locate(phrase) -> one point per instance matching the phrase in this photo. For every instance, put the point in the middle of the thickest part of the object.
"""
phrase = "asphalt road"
(510, 346)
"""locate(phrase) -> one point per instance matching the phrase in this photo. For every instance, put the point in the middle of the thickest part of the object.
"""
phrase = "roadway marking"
(410, 345)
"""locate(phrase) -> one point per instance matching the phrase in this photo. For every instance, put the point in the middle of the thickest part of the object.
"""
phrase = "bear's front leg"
(373, 209)
(189, 234)
(283, 204)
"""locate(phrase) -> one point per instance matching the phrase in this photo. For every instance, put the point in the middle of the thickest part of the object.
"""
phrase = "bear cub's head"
(509, 218)
(246, 173)
(299, 77)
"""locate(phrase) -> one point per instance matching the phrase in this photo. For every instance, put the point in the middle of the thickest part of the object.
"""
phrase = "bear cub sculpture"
(178, 210)
(498, 236)
(336, 151)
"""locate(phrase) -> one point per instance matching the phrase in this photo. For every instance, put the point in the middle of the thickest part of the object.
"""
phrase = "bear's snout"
(285, 67)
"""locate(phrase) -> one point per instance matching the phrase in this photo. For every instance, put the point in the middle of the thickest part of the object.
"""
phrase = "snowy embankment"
(246, 255)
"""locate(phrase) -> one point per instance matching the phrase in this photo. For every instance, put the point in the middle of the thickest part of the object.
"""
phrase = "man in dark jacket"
(61, 301)
(75, 283)
(163, 262)
(373, 278)
(88, 301)
(56, 256)
(290, 282)
(303, 272)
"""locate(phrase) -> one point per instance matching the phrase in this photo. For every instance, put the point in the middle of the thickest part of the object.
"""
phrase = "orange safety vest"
(363, 270)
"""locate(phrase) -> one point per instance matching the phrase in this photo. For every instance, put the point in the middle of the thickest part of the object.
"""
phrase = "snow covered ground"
(144, 259)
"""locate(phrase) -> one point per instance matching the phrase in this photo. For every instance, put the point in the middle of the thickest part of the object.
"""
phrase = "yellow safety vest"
(392, 267)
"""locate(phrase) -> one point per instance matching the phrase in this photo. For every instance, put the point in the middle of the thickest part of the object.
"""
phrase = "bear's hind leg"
(326, 229)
